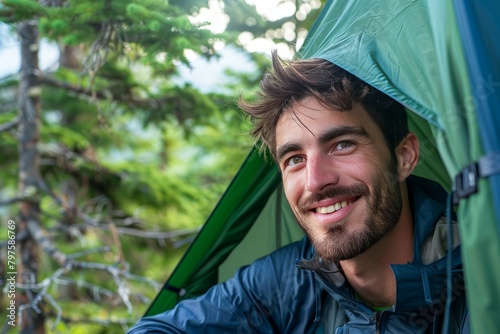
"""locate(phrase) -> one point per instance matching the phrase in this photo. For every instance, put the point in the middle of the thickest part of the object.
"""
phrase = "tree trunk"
(29, 171)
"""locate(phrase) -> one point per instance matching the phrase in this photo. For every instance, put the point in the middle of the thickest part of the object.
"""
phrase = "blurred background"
(119, 132)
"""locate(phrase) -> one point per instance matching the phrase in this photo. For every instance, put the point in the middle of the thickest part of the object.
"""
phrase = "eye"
(343, 145)
(295, 160)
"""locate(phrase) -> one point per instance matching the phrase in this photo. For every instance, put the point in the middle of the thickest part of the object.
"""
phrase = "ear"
(407, 154)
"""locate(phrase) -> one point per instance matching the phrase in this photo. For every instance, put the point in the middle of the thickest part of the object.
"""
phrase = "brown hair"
(335, 88)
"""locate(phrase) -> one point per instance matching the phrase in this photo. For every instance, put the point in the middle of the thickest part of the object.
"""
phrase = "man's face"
(338, 177)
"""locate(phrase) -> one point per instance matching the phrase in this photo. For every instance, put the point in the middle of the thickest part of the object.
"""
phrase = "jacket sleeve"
(225, 308)
(260, 298)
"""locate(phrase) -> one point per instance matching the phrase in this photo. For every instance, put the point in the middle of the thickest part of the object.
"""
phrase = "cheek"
(366, 170)
(368, 164)
(292, 187)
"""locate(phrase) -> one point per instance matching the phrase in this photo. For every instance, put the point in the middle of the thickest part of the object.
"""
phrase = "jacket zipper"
(377, 322)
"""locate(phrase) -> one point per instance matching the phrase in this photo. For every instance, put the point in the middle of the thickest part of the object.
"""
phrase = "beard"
(384, 207)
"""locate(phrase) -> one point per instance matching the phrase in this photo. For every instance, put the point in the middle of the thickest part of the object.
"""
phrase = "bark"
(71, 57)
(29, 170)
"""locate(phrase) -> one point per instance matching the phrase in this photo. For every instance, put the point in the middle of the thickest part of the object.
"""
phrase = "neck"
(370, 274)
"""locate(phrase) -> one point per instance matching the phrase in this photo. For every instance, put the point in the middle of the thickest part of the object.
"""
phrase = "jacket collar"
(428, 201)
(419, 285)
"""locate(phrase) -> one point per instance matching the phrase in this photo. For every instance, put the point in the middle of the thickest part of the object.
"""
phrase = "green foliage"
(65, 136)
(159, 32)
(18, 10)
(124, 149)
(146, 185)
(185, 104)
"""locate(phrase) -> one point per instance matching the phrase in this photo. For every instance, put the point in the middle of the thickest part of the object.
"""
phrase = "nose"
(321, 172)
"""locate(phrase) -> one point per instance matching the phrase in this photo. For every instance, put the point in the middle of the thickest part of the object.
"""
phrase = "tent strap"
(465, 183)
(179, 291)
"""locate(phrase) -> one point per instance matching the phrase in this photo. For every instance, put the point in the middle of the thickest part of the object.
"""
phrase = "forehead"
(309, 118)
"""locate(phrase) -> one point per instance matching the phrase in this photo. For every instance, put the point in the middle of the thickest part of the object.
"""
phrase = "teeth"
(332, 208)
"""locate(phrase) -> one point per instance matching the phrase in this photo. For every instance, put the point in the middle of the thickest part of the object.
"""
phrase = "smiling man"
(374, 256)
(340, 178)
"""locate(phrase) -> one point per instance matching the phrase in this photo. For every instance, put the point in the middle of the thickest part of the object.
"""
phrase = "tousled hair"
(335, 88)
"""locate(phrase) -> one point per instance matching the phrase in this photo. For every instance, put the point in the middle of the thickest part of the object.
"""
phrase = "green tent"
(441, 60)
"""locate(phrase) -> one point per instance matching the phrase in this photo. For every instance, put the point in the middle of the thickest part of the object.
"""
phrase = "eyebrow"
(284, 149)
(323, 139)
(342, 131)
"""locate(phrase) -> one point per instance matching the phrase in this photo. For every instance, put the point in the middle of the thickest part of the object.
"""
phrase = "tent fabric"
(435, 57)
(414, 52)
(275, 227)
(479, 28)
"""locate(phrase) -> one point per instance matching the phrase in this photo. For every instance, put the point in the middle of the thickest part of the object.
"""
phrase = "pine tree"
(95, 152)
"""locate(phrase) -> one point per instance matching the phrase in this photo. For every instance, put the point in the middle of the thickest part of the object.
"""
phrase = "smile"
(333, 207)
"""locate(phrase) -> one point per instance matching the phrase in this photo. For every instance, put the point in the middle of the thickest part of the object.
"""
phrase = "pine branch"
(88, 221)
(104, 249)
(12, 200)
(7, 15)
(52, 3)
(119, 226)
(9, 125)
(116, 273)
(50, 81)
(157, 234)
(187, 235)
(43, 186)
(125, 322)
(100, 48)
(97, 291)
(38, 235)
(131, 101)
(28, 195)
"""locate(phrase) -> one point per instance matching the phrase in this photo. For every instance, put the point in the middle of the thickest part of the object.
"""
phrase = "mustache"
(350, 191)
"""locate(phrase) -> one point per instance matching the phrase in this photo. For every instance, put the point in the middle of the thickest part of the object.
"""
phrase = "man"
(374, 260)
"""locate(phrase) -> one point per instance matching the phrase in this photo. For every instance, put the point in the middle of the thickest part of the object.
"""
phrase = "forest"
(111, 160)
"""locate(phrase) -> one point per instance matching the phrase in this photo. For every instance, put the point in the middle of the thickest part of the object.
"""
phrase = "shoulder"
(286, 256)
(268, 296)
(275, 269)
(275, 288)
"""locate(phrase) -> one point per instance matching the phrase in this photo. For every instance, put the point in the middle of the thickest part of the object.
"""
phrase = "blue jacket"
(289, 292)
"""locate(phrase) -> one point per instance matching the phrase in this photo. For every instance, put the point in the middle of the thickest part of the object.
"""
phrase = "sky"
(206, 75)
(10, 60)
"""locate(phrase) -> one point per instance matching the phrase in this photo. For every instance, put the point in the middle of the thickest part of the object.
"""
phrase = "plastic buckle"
(466, 182)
